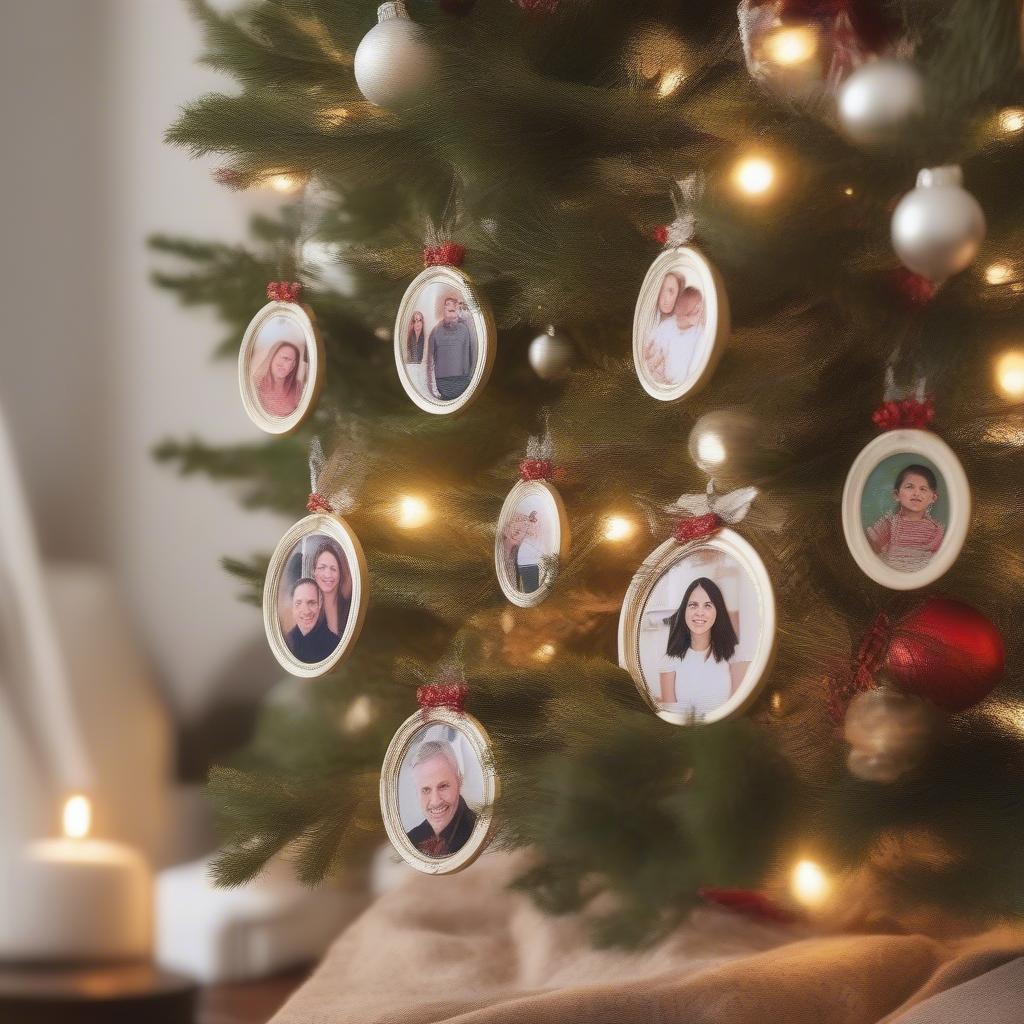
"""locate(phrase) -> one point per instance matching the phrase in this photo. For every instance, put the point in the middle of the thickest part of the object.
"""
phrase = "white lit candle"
(76, 899)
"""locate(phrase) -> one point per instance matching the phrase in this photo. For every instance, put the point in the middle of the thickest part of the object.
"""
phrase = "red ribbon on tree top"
(447, 254)
(862, 673)
(284, 291)
(909, 413)
(318, 503)
(442, 695)
(697, 527)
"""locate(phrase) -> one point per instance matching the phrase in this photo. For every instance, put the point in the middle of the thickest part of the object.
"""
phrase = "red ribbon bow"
(284, 291)
(660, 233)
(318, 503)
(696, 527)
(539, 469)
(442, 695)
(447, 254)
(907, 413)
(870, 657)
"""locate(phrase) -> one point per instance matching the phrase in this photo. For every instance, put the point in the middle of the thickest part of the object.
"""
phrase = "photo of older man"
(449, 820)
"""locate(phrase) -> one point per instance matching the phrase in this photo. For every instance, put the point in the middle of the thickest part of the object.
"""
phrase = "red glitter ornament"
(906, 414)
(696, 527)
(447, 254)
(947, 652)
(284, 291)
(916, 289)
(318, 503)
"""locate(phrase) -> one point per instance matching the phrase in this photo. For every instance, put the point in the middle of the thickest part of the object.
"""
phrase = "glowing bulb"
(618, 528)
(545, 652)
(791, 45)
(670, 81)
(998, 273)
(754, 175)
(412, 512)
(848, 191)
(776, 703)
(1011, 119)
(710, 449)
(77, 817)
(1010, 374)
(285, 183)
(359, 714)
(809, 884)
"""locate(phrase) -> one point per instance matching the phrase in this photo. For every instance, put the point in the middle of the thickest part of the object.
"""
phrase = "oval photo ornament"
(315, 594)
(444, 340)
(681, 324)
(532, 537)
(697, 628)
(906, 508)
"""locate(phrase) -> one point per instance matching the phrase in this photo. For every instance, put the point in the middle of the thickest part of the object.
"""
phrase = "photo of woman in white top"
(699, 670)
(674, 352)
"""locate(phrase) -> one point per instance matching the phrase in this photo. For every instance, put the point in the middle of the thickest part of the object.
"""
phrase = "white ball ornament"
(393, 61)
(938, 227)
(550, 355)
(889, 733)
(879, 100)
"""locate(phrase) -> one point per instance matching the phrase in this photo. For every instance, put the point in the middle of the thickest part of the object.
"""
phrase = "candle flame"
(77, 817)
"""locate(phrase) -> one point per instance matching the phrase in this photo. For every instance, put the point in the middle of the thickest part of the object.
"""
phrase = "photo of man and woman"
(440, 790)
(439, 347)
(279, 366)
(314, 598)
(699, 631)
(529, 540)
(905, 511)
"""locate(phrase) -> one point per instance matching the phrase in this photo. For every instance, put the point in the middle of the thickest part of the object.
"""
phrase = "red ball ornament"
(946, 652)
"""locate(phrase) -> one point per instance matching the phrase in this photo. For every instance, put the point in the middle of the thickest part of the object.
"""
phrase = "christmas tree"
(556, 149)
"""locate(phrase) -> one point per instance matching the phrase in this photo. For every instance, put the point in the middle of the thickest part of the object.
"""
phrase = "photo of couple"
(439, 349)
(699, 631)
(280, 366)
(440, 791)
(314, 598)
(905, 511)
(676, 324)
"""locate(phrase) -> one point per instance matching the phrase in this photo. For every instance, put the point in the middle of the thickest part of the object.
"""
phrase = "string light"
(809, 884)
(412, 512)
(710, 449)
(789, 45)
(359, 714)
(286, 184)
(776, 703)
(1010, 374)
(1011, 119)
(77, 817)
(670, 81)
(754, 175)
(848, 191)
(998, 273)
(618, 528)
(545, 652)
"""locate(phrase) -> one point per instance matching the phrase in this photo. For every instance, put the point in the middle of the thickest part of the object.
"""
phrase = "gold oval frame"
(665, 557)
(524, 489)
(933, 448)
(399, 746)
(338, 529)
(483, 322)
(306, 320)
(717, 319)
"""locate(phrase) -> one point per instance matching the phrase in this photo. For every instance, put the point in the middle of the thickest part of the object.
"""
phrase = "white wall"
(114, 366)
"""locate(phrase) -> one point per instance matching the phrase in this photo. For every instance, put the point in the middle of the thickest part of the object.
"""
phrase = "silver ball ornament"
(550, 355)
(878, 101)
(938, 227)
(393, 61)
(888, 732)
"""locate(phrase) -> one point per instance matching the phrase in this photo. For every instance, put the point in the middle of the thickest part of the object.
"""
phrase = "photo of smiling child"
(904, 511)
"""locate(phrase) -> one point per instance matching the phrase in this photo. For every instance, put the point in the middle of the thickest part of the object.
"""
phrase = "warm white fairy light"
(1010, 374)
(669, 81)
(1011, 119)
(790, 44)
(545, 652)
(710, 449)
(359, 714)
(285, 183)
(809, 884)
(848, 191)
(77, 817)
(754, 175)
(618, 528)
(998, 273)
(413, 512)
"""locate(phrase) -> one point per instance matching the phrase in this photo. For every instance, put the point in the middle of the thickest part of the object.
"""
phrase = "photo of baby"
(676, 324)
(905, 511)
